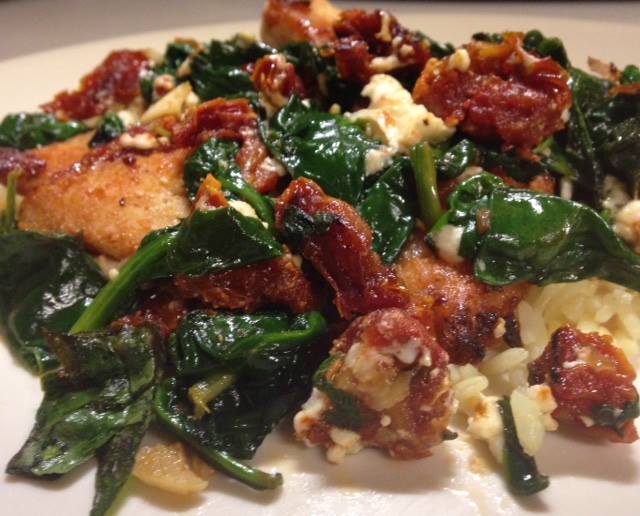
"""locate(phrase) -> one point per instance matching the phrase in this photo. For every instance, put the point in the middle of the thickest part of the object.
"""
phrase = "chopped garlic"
(376, 159)
(173, 103)
(394, 118)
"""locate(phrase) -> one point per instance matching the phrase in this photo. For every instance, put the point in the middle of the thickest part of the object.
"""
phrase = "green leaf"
(168, 408)
(552, 47)
(630, 75)
(175, 54)
(389, 208)
(455, 160)
(218, 158)
(26, 131)
(345, 411)
(298, 225)
(326, 148)
(109, 129)
(101, 389)
(205, 243)
(622, 151)
(45, 283)
(535, 237)
(521, 470)
(615, 418)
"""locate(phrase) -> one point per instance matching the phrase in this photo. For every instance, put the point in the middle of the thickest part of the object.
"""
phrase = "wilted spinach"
(523, 477)
(298, 226)
(326, 148)
(98, 403)
(206, 242)
(552, 47)
(174, 55)
(110, 128)
(45, 283)
(265, 363)
(611, 417)
(28, 130)
(217, 157)
(389, 207)
(535, 237)
(220, 72)
(456, 159)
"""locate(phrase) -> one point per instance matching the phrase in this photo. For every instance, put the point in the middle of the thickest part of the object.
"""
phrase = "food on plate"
(392, 241)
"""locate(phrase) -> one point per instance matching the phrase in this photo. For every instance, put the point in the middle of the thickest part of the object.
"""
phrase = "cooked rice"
(590, 306)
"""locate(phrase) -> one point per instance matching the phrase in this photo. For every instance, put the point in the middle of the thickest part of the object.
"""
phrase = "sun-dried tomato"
(506, 95)
(592, 383)
(115, 81)
(343, 253)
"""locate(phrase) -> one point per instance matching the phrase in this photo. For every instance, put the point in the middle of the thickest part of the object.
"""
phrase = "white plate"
(586, 478)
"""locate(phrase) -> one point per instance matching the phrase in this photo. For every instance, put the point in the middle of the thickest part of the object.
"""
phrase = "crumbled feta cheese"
(627, 224)
(376, 159)
(245, 208)
(587, 421)
(406, 50)
(346, 442)
(143, 141)
(394, 118)
(566, 188)
(459, 60)
(447, 242)
(614, 193)
(406, 352)
(128, 118)
(385, 420)
(384, 64)
(310, 412)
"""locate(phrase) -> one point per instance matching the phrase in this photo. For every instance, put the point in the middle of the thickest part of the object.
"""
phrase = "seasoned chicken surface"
(112, 202)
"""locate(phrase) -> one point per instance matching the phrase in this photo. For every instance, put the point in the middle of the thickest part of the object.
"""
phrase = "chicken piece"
(274, 282)
(112, 200)
(592, 383)
(497, 92)
(290, 21)
(387, 386)
(466, 313)
(115, 81)
(341, 252)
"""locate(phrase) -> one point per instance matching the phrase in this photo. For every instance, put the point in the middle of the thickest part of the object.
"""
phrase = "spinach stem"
(182, 426)
(205, 391)
(424, 170)
(114, 293)
(9, 218)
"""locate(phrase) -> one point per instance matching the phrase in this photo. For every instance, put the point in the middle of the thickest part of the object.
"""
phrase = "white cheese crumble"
(346, 443)
(385, 420)
(376, 159)
(384, 64)
(143, 141)
(127, 117)
(447, 242)
(246, 209)
(459, 60)
(310, 412)
(627, 224)
(614, 193)
(394, 118)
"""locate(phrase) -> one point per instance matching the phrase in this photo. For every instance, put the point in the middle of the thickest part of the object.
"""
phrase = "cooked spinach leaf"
(98, 403)
(515, 167)
(110, 128)
(220, 71)
(630, 75)
(28, 130)
(217, 157)
(455, 160)
(206, 242)
(258, 370)
(389, 207)
(170, 411)
(535, 237)
(345, 411)
(614, 418)
(45, 283)
(298, 226)
(206, 342)
(521, 470)
(326, 148)
(174, 55)
(622, 152)
(551, 47)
